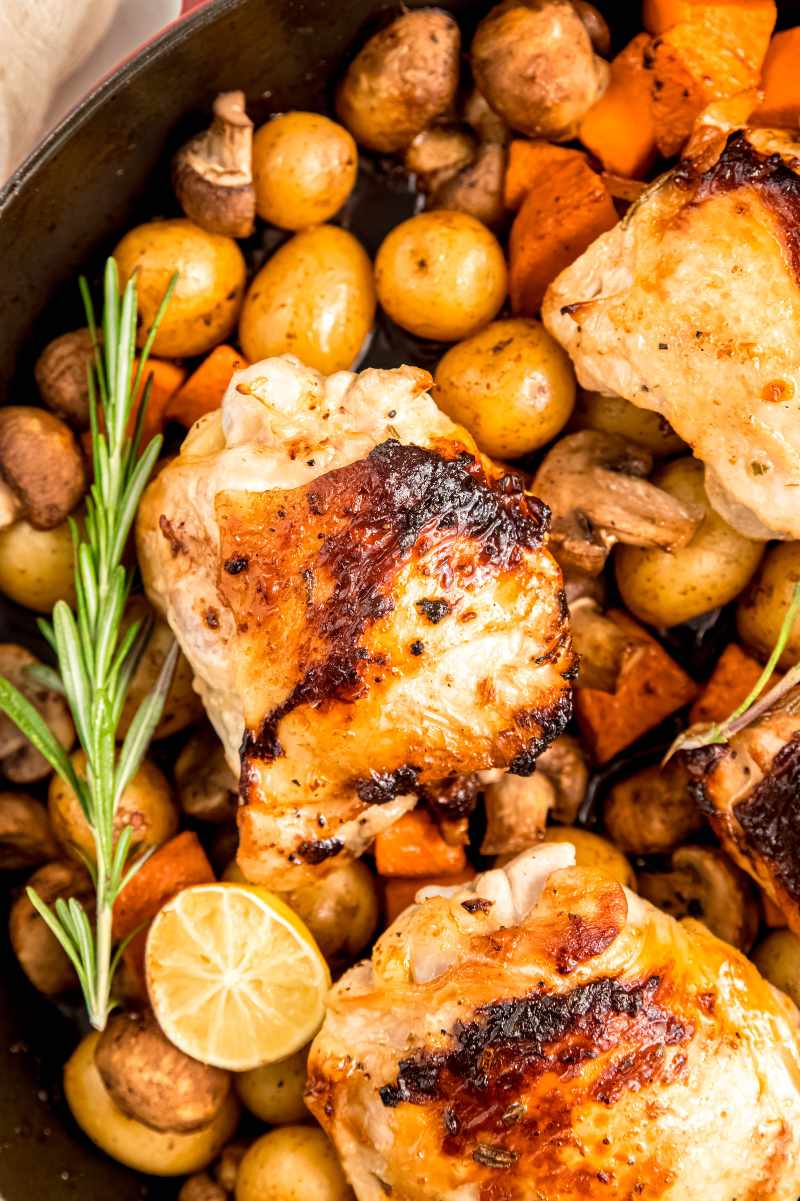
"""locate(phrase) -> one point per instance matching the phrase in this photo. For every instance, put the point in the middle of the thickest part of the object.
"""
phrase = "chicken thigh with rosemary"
(542, 1034)
(367, 602)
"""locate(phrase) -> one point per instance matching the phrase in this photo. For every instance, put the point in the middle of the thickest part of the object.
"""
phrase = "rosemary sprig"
(96, 654)
(751, 707)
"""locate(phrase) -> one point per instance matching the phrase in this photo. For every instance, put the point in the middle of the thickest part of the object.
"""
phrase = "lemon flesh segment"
(235, 978)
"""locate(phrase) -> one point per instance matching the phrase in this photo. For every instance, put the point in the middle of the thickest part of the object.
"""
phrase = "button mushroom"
(439, 153)
(477, 189)
(652, 811)
(595, 25)
(516, 812)
(207, 788)
(19, 759)
(39, 952)
(703, 883)
(213, 173)
(488, 125)
(41, 466)
(200, 1187)
(62, 376)
(603, 648)
(26, 838)
(152, 1081)
(594, 484)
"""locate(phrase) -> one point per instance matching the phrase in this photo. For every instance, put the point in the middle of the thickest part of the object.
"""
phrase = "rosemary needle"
(96, 653)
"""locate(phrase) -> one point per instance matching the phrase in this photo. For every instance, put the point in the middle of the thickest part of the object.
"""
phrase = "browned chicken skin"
(367, 602)
(690, 307)
(544, 1035)
(748, 790)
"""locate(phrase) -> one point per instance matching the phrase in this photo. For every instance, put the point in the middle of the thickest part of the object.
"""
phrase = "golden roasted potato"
(156, 1152)
(667, 587)
(441, 275)
(37, 567)
(340, 909)
(146, 805)
(304, 168)
(292, 1163)
(534, 62)
(40, 954)
(593, 851)
(274, 1092)
(401, 80)
(208, 294)
(762, 608)
(778, 959)
(614, 415)
(150, 1080)
(315, 298)
(511, 385)
(183, 705)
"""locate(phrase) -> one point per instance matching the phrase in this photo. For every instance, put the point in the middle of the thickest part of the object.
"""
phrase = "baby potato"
(511, 385)
(340, 909)
(157, 1152)
(441, 275)
(146, 805)
(37, 567)
(293, 1163)
(315, 298)
(762, 608)
(304, 168)
(208, 294)
(594, 852)
(778, 959)
(667, 587)
(274, 1092)
(614, 415)
(183, 705)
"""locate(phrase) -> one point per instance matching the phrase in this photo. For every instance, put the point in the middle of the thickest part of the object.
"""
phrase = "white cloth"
(41, 43)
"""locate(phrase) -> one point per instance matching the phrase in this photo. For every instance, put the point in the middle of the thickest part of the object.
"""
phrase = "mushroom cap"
(41, 462)
(213, 173)
(62, 376)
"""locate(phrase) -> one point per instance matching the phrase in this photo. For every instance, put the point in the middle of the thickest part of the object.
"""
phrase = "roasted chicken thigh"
(367, 602)
(690, 307)
(542, 1034)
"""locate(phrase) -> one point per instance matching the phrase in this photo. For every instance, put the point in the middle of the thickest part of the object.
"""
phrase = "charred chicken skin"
(542, 1034)
(748, 790)
(367, 603)
(690, 307)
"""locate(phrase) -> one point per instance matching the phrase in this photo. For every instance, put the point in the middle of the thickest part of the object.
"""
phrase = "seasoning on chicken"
(367, 603)
(690, 307)
(542, 1034)
(748, 790)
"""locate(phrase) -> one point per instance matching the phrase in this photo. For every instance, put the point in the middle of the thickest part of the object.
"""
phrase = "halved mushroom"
(62, 376)
(595, 25)
(604, 649)
(42, 476)
(516, 812)
(652, 811)
(477, 189)
(564, 765)
(213, 173)
(594, 484)
(41, 956)
(154, 1082)
(207, 788)
(26, 838)
(439, 153)
(703, 883)
(19, 759)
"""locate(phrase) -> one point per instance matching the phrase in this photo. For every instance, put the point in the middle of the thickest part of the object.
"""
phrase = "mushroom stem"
(229, 141)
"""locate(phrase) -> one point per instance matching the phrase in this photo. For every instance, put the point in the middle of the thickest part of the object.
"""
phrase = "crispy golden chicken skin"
(366, 601)
(749, 789)
(690, 307)
(542, 1034)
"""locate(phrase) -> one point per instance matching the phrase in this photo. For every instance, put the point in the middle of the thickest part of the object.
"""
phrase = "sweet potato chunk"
(733, 677)
(528, 163)
(413, 846)
(651, 687)
(566, 208)
(619, 128)
(780, 81)
(205, 387)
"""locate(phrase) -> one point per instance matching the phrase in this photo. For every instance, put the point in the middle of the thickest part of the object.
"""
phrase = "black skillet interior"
(104, 169)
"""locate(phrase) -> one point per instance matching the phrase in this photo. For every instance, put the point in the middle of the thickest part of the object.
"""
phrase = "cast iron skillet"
(102, 170)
